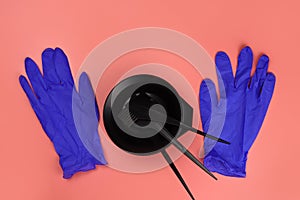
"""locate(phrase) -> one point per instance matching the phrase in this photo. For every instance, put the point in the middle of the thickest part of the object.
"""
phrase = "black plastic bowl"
(140, 92)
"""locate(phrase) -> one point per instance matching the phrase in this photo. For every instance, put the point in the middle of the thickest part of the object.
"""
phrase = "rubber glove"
(243, 102)
(50, 96)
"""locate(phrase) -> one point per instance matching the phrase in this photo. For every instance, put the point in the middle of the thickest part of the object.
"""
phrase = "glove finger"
(268, 89)
(87, 94)
(224, 72)
(86, 91)
(260, 72)
(28, 91)
(244, 67)
(62, 67)
(50, 75)
(264, 101)
(35, 78)
(208, 98)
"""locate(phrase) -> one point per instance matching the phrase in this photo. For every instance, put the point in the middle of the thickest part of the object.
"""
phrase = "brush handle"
(186, 152)
(177, 173)
(172, 121)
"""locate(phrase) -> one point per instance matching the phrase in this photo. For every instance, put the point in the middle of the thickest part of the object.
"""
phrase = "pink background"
(29, 167)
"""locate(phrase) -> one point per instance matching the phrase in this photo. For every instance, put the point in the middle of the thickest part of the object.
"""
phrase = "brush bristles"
(127, 117)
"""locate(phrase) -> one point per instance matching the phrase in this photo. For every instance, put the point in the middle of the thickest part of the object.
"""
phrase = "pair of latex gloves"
(245, 101)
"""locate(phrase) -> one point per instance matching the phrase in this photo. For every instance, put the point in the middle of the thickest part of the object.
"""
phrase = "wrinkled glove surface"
(54, 99)
(245, 101)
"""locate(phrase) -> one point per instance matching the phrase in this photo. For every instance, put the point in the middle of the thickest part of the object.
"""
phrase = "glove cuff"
(68, 173)
(80, 161)
(215, 164)
(69, 169)
(74, 160)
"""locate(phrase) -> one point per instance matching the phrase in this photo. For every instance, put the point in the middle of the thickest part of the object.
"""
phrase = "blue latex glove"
(51, 99)
(245, 101)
